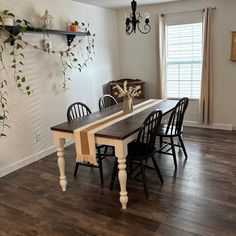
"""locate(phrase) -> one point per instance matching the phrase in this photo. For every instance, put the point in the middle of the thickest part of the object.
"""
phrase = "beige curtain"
(206, 86)
(161, 71)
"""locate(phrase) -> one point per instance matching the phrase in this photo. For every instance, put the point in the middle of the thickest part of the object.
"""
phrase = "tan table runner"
(85, 136)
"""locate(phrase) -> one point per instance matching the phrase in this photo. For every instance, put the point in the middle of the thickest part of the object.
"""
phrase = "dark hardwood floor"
(197, 199)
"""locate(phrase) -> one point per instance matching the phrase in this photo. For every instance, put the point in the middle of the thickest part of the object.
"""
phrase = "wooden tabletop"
(121, 129)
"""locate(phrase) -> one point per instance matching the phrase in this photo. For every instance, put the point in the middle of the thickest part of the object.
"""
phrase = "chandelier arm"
(146, 28)
(129, 26)
(129, 32)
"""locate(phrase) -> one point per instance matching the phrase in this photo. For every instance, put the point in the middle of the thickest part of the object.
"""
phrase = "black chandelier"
(133, 21)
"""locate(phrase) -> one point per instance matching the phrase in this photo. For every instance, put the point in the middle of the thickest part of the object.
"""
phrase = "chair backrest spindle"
(147, 132)
(106, 101)
(77, 110)
(177, 116)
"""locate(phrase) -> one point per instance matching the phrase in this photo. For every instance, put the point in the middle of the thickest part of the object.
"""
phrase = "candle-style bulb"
(147, 15)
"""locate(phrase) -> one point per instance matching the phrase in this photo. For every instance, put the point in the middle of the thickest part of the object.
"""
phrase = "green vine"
(69, 59)
(4, 112)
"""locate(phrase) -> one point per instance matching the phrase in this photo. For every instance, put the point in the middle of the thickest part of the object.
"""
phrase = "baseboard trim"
(28, 160)
(212, 126)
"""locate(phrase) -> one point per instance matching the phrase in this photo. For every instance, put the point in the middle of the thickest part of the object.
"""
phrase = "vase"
(127, 105)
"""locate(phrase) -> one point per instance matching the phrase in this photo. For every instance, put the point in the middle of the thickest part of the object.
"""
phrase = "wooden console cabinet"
(130, 82)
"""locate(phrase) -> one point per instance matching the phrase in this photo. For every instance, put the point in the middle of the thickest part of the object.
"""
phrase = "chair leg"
(183, 147)
(113, 151)
(144, 180)
(130, 166)
(76, 169)
(99, 157)
(105, 151)
(161, 141)
(173, 151)
(157, 169)
(114, 172)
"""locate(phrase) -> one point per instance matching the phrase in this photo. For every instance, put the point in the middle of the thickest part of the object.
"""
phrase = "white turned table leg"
(121, 152)
(59, 143)
(61, 166)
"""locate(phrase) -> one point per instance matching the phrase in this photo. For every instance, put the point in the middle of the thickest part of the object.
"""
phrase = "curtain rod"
(169, 13)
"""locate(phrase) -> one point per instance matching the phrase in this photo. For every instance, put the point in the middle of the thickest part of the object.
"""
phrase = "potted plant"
(6, 18)
(74, 26)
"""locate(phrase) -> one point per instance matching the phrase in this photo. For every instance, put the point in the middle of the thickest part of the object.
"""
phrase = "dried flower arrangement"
(127, 91)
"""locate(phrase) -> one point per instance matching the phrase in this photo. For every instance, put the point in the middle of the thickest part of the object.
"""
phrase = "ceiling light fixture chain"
(133, 21)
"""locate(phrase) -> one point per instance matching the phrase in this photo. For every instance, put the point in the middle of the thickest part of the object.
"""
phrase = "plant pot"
(73, 28)
(8, 22)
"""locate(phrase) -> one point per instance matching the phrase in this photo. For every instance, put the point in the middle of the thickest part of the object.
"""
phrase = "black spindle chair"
(106, 101)
(79, 110)
(174, 128)
(143, 148)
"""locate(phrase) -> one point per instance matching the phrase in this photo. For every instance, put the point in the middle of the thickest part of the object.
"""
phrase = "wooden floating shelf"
(70, 35)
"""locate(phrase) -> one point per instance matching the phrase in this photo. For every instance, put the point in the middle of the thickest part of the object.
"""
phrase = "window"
(184, 60)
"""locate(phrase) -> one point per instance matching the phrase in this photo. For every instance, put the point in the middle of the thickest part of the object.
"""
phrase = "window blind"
(183, 60)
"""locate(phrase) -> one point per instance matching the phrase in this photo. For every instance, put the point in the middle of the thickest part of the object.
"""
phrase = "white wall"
(138, 56)
(47, 105)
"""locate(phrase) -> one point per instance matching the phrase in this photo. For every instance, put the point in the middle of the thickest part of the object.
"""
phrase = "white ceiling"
(116, 4)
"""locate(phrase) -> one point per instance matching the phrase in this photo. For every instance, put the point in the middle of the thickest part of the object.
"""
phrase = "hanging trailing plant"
(69, 59)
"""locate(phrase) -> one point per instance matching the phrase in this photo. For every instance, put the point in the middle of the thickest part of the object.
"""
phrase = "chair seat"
(162, 131)
(139, 151)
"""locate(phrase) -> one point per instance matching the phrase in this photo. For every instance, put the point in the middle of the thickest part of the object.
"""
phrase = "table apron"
(57, 135)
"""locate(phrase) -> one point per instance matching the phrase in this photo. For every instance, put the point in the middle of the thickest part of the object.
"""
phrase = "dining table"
(117, 134)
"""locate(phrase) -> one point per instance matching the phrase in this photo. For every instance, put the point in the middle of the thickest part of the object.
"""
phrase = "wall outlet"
(38, 136)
